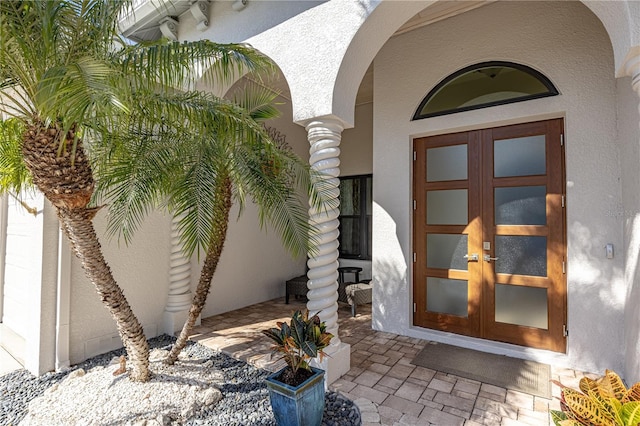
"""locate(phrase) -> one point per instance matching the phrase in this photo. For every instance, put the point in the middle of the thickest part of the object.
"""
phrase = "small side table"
(349, 270)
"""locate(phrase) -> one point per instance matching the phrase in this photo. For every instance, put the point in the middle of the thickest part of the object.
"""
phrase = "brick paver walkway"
(387, 388)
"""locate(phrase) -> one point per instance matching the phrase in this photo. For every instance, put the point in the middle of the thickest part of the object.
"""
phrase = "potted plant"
(297, 390)
(605, 401)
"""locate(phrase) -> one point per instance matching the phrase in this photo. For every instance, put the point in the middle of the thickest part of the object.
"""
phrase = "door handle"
(472, 257)
(488, 258)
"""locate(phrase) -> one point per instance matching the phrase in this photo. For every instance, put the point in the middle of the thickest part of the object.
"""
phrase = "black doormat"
(499, 370)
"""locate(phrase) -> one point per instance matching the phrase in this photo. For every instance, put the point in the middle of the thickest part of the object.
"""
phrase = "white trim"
(4, 210)
(63, 303)
(486, 125)
(539, 355)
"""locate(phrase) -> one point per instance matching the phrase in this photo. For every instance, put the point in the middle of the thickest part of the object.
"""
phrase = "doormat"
(499, 370)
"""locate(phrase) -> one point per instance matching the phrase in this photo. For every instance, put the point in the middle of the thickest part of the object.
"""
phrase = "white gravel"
(245, 397)
(97, 397)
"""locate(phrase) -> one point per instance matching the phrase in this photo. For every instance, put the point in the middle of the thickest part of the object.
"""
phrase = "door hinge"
(414, 257)
(563, 201)
(561, 139)
(414, 156)
(414, 308)
(414, 204)
(565, 330)
(564, 267)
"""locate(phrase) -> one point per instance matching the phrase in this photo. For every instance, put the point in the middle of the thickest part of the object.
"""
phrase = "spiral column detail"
(324, 137)
(179, 274)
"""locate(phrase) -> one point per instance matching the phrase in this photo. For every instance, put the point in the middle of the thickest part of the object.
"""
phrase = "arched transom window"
(484, 85)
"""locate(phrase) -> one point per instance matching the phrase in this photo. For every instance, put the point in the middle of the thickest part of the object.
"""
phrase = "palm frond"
(262, 172)
(133, 176)
(174, 64)
(258, 100)
(193, 199)
(14, 176)
(74, 92)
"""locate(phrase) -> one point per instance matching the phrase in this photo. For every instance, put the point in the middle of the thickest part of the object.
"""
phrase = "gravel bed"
(245, 397)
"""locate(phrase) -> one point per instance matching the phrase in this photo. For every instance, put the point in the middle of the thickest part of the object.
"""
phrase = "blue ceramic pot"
(302, 405)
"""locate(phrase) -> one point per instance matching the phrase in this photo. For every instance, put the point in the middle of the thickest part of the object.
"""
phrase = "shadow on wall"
(390, 298)
(596, 301)
(391, 289)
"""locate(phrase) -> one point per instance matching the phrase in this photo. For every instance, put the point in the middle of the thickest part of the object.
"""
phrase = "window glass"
(521, 305)
(520, 156)
(521, 255)
(447, 207)
(355, 217)
(350, 196)
(521, 205)
(447, 296)
(484, 85)
(446, 251)
(447, 163)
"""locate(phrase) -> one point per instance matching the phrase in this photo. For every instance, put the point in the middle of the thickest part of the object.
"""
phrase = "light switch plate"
(609, 250)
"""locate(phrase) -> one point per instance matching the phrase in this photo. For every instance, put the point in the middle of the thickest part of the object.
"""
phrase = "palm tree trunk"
(66, 180)
(218, 237)
(78, 227)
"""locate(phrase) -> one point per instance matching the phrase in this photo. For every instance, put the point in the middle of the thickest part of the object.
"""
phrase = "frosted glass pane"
(519, 157)
(521, 205)
(521, 255)
(521, 305)
(446, 251)
(448, 207)
(447, 296)
(447, 163)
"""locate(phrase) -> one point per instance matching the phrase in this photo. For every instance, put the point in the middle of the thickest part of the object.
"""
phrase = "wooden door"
(489, 234)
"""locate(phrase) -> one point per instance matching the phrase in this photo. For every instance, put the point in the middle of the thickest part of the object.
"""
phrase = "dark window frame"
(363, 220)
(551, 89)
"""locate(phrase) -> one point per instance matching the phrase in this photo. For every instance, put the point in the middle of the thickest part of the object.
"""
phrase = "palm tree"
(201, 179)
(67, 82)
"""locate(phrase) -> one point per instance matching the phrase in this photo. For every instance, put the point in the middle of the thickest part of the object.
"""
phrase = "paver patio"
(387, 388)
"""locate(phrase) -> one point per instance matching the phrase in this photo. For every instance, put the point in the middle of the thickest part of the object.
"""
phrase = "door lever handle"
(488, 258)
(472, 257)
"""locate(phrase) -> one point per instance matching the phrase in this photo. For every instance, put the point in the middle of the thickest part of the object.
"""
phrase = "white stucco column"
(324, 137)
(179, 298)
(63, 303)
(631, 68)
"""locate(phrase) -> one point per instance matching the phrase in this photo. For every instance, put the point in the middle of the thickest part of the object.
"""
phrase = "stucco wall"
(142, 271)
(254, 265)
(356, 158)
(284, 30)
(356, 146)
(568, 44)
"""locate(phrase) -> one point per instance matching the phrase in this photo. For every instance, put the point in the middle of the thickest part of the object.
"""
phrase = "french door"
(489, 234)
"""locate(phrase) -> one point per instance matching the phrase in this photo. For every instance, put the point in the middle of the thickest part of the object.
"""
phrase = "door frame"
(557, 301)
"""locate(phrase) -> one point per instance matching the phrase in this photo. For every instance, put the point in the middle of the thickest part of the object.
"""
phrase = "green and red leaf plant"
(299, 341)
(605, 401)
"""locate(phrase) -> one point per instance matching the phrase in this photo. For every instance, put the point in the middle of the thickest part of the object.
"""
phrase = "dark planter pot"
(302, 405)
